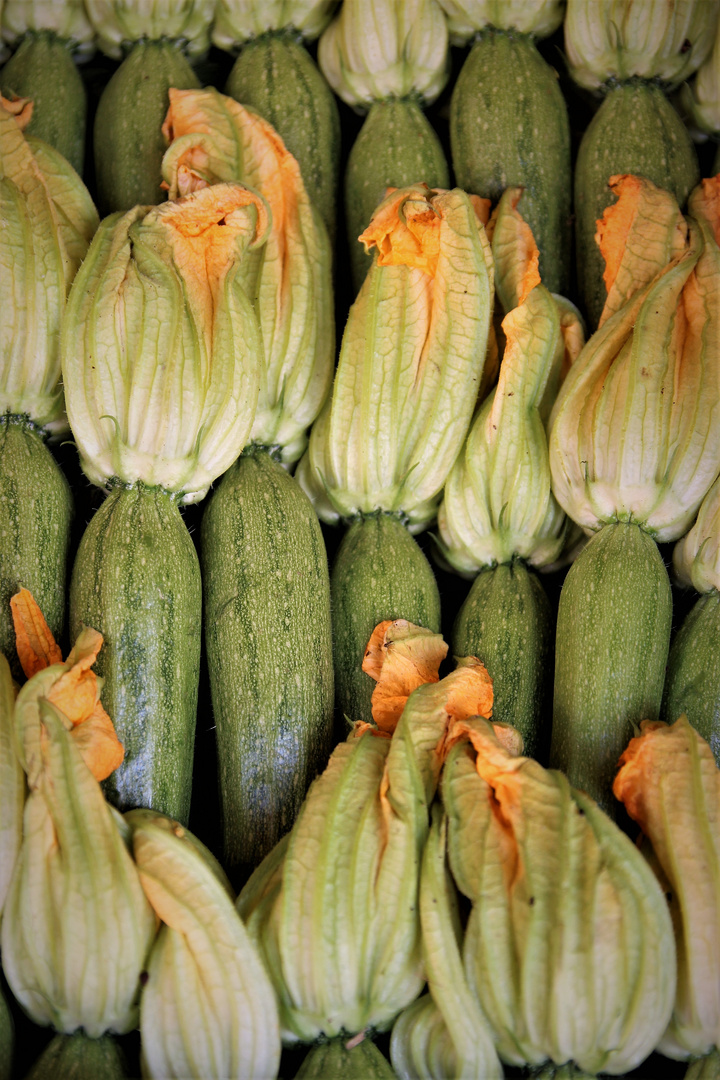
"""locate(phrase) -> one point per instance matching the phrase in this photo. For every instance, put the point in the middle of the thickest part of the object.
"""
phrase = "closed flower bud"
(696, 557)
(12, 783)
(119, 23)
(237, 21)
(537, 17)
(65, 18)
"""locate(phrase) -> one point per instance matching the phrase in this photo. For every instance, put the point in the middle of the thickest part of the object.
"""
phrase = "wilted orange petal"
(471, 692)
(400, 657)
(638, 771)
(99, 745)
(705, 202)
(36, 647)
(375, 653)
(405, 230)
(20, 108)
(482, 208)
(520, 255)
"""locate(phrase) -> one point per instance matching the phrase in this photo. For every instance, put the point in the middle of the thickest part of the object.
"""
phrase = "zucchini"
(613, 636)
(396, 147)
(635, 130)
(379, 573)
(36, 510)
(128, 141)
(136, 580)
(42, 68)
(692, 683)
(343, 1061)
(269, 650)
(78, 1057)
(507, 622)
(275, 75)
(509, 127)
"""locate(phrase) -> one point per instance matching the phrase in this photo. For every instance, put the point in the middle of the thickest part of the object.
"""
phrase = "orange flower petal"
(100, 747)
(705, 202)
(36, 647)
(400, 657)
(405, 230)
(20, 108)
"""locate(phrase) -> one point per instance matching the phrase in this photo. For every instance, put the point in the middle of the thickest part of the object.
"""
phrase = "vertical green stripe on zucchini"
(506, 621)
(36, 510)
(275, 75)
(692, 683)
(136, 580)
(128, 140)
(635, 130)
(269, 650)
(509, 127)
(613, 635)
(43, 69)
(396, 147)
(379, 573)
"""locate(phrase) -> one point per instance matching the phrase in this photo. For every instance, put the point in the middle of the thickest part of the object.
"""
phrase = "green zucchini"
(379, 573)
(507, 622)
(136, 580)
(36, 510)
(78, 1057)
(692, 683)
(341, 1061)
(127, 136)
(613, 636)
(396, 147)
(635, 130)
(509, 127)
(269, 650)
(275, 75)
(42, 68)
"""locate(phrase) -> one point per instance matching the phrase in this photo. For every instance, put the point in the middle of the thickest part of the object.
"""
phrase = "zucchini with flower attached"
(275, 75)
(407, 380)
(633, 55)
(634, 447)
(128, 142)
(390, 60)
(509, 124)
(499, 520)
(161, 356)
(267, 609)
(47, 220)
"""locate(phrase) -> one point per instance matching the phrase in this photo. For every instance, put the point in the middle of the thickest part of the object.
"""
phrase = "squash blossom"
(407, 380)
(318, 906)
(568, 949)
(692, 682)
(389, 60)
(499, 517)
(207, 1008)
(76, 927)
(161, 361)
(238, 21)
(12, 782)
(634, 446)
(537, 17)
(118, 22)
(670, 785)
(213, 139)
(422, 1044)
(47, 220)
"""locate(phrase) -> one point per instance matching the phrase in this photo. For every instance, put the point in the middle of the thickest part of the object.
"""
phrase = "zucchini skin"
(379, 573)
(269, 650)
(77, 1057)
(635, 130)
(507, 622)
(395, 147)
(136, 580)
(36, 511)
(42, 68)
(127, 136)
(692, 683)
(275, 75)
(509, 127)
(612, 641)
(333, 1059)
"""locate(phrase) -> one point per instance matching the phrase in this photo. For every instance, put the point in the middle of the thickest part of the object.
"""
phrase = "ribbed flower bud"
(380, 49)
(65, 18)
(202, 964)
(47, 220)
(119, 23)
(12, 782)
(568, 949)
(696, 557)
(537, 17)
(212, 139)
(634, 433)
(670, 785)
(161, 347)
(410, 364)
(237, 21)
(666, 40)
(77, 926)
(498, 503)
